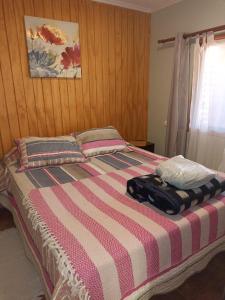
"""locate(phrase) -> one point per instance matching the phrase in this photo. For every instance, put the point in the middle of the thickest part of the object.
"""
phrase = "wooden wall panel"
(113, 89)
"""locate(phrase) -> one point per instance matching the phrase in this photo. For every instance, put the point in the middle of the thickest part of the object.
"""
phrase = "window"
(209, 109)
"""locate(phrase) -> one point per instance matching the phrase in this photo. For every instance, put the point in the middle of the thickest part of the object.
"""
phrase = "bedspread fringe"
(70, 277)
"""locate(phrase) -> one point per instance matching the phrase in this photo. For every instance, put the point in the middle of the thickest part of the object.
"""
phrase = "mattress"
(92, 240)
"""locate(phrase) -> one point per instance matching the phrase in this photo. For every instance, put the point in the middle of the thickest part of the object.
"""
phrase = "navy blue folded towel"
(168, 198)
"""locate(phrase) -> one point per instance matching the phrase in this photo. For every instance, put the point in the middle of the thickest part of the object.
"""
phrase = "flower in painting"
(52, 35)
(42, 64)
(32, 34)
(71, 57)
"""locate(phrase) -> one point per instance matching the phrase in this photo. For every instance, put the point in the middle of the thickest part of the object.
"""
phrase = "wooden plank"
(4, 121)
(53, 103)
(98, 26)
(65, 12)
(56, 99)
(112, 67)
(81, 94)
(37, 85)
(1, 146)
(71, 15)
(17, 76)
(57, 14)
(55, 89)
(43, 8)
(84, 104)
(27, 81)
(130, 76)
(124, 66)
(92, 63)
(118, 70)
(137, 60)
(105, 65)
(7, 78)
(71, 82)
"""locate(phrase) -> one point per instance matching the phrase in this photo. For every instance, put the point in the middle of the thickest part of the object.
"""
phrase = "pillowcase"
(184, 173)
(39, 152)
(98, 141)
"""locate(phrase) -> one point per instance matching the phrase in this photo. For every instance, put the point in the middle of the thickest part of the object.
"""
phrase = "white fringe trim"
(70, 277)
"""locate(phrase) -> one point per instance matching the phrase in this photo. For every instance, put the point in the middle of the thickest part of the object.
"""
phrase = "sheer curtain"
(207, 119)
(177, 118)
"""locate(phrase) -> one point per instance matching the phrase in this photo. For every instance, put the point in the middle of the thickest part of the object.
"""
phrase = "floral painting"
(53, 48)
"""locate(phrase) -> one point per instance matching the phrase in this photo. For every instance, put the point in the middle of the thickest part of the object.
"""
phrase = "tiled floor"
(207, 285)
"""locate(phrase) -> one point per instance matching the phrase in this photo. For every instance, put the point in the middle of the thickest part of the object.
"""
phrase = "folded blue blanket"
(168, 198)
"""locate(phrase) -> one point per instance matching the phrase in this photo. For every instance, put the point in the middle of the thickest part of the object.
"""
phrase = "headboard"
(113, 89)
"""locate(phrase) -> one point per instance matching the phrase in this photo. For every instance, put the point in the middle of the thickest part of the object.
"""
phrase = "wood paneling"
(113, 89)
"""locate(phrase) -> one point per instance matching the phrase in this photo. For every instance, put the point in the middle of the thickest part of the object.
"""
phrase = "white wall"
(186, 16)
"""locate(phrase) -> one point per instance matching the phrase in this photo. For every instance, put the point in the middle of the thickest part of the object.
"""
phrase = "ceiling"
(142, 5)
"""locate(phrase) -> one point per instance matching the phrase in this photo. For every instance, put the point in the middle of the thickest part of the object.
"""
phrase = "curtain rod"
(193, 34)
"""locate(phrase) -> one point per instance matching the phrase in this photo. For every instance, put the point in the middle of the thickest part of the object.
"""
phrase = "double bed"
(90, 240)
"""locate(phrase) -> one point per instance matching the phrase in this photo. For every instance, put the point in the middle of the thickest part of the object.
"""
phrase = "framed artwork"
(53, 48)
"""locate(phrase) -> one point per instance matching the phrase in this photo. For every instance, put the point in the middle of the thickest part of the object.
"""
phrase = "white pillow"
(184, 173)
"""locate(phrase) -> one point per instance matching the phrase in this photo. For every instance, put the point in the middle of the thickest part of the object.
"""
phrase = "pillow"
(100, 141)
(38, 152)
(183, 173)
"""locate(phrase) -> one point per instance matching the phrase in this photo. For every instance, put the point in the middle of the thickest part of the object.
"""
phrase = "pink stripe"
(213, 220)
(195, 224)
(146, 168)
(103, 143)
(119, 254)
(145, 237)
(89, 169)
(32, 247)
(171, 228)
(132, 172)
(147, 153)
(70, 244)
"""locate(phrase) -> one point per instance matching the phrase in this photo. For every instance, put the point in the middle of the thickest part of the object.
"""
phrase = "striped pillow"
(39, 152)
(98, 141)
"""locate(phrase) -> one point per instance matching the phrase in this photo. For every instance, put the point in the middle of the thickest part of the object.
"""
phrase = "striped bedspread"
(111, 244)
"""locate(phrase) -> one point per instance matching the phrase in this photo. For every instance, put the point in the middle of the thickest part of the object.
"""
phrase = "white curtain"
(178, 113)
(207, 119)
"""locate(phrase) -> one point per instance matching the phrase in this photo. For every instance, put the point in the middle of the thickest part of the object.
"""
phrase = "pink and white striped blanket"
(111, 245)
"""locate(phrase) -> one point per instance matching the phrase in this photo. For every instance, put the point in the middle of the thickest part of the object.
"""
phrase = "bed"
(90, 240)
